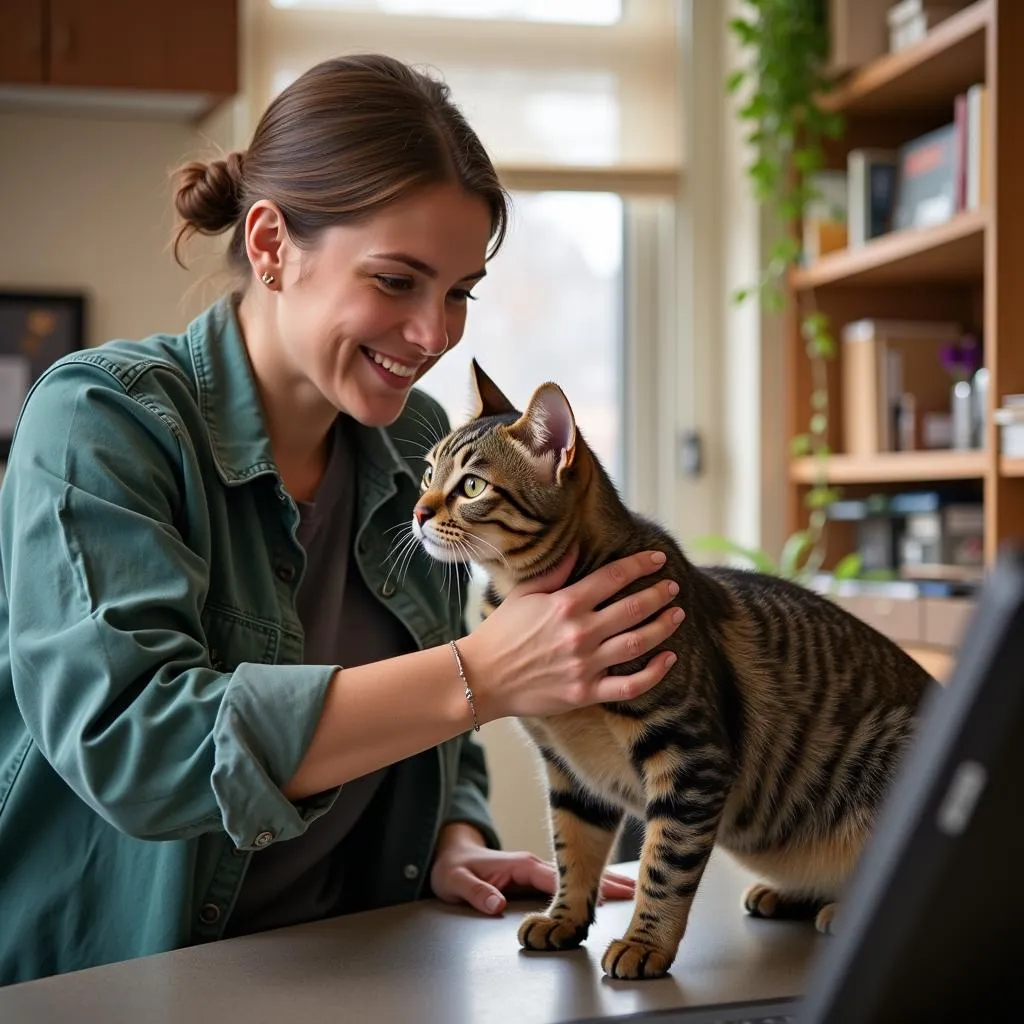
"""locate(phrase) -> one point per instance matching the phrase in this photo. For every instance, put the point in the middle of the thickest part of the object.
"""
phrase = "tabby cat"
(774, 735)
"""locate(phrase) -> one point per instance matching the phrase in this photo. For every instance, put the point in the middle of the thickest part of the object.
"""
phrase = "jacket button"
(285, 572)
(263, 839)
(387, 589)
(411, 871)
(209, 913)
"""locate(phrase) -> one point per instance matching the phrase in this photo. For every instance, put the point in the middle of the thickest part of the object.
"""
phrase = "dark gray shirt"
(344, 624)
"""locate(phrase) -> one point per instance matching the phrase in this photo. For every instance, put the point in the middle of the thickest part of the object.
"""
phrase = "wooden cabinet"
(188, 48)
(22, 57)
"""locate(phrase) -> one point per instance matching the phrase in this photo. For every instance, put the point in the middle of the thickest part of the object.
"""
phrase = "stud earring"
(267, 278)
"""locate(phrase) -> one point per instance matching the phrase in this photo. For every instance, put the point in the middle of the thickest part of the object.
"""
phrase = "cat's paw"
(825, 921)
(543, 932)
(632, 961)
(761, 900)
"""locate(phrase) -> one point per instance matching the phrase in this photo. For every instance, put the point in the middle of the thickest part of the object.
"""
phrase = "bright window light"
(550, 309)
(574, 12)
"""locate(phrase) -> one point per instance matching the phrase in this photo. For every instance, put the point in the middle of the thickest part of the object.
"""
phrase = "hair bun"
(209, 195)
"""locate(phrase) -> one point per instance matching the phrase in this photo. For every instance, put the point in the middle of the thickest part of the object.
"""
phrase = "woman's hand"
(466, 871)
(543, 653)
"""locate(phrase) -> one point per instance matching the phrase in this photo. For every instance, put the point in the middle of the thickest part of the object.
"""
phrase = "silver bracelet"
(465, 681)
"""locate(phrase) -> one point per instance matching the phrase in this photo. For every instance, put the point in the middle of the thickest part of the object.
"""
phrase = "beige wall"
(85, 205)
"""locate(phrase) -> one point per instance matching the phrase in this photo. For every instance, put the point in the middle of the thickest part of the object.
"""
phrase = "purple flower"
(962, 357)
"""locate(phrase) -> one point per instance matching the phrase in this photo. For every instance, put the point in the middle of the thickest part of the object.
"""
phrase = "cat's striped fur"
(775, 734)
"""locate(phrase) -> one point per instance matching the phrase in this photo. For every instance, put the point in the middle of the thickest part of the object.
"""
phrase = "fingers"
(625, 646)
(550, 581)
(475, 891)
(606, 582)
(617, 887)
(615, 688)
(530, 873)
(633, 609)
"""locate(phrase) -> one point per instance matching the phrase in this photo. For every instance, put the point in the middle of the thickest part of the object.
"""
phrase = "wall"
(85, 204)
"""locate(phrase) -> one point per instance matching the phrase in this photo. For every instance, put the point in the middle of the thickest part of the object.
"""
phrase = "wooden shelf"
(937, 662)
(923, 77)
(894, 467)
(1011, 467)
(952, 252)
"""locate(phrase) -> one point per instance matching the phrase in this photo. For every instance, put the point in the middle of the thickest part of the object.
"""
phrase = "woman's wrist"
(457, 833)
(481, 678)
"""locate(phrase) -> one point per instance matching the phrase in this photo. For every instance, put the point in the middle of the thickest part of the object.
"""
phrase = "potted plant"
(779, 88)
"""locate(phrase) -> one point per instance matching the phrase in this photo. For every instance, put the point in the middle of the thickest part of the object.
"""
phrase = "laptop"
(932, 925)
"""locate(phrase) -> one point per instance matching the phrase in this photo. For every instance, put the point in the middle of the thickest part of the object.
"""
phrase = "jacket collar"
(230, 403)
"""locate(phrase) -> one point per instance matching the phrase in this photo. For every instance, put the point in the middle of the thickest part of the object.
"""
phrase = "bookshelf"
(969, 269)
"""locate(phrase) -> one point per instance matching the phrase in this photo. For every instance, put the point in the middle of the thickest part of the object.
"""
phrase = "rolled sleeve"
(108, 655)
(254, 757)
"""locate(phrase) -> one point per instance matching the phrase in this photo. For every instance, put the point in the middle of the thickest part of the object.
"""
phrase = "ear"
(266, 238)
(487, 398)
(548, 428)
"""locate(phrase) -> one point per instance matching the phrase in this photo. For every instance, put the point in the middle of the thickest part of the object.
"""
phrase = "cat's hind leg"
(583, 828)
(761, 900)
(766, 901)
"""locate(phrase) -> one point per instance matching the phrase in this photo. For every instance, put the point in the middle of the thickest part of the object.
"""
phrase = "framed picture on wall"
(36, 329)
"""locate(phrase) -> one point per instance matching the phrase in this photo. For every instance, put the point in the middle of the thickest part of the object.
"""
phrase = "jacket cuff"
(254, 756)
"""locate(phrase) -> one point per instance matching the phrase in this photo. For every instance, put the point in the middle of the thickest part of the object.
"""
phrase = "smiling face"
(366, 312)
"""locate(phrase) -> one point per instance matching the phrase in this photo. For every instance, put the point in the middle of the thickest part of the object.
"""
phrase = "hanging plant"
(787, 43)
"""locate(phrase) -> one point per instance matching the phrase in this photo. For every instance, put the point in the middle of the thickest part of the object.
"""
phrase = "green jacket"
(152, 693)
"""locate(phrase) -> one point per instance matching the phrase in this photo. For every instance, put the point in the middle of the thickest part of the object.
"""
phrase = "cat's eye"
(473, 486)
(428, 475)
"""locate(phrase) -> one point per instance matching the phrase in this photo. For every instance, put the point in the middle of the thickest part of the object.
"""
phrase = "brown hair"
(347, 137)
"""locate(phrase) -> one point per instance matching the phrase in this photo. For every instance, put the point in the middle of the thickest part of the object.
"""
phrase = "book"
(872, 175)
(927, 188)
(882, 362)
(825, 215)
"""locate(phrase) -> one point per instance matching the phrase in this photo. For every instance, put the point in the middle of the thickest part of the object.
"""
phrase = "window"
(580, 12)
(551, 309)
(577, 103)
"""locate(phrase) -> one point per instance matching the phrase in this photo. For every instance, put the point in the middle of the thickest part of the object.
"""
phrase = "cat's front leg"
(685, 797)
(583, 829)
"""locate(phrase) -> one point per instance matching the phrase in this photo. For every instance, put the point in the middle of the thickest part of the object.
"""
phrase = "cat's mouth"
(441, 550)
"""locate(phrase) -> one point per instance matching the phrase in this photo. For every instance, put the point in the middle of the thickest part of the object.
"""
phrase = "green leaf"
(793, 552)
(813, 325)
(744, 31)
(808, 159)
(848, 567)
(800, 445)
(735, 80)
(740, 296)
(820, 497)
(834, 126)
(819, 423)
(718, 545)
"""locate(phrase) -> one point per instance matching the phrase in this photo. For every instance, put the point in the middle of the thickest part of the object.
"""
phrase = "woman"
(194, 535)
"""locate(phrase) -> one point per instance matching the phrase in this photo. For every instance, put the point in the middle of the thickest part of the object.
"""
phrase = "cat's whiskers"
(417, 444)
(400, 549)
(410, 554)
(476, 556)
(428, 426)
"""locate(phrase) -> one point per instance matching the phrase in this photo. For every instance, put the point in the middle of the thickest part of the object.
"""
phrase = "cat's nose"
(422, 513)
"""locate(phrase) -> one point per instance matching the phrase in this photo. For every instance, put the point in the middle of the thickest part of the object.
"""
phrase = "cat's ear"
(487, 397)
(548, 429)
